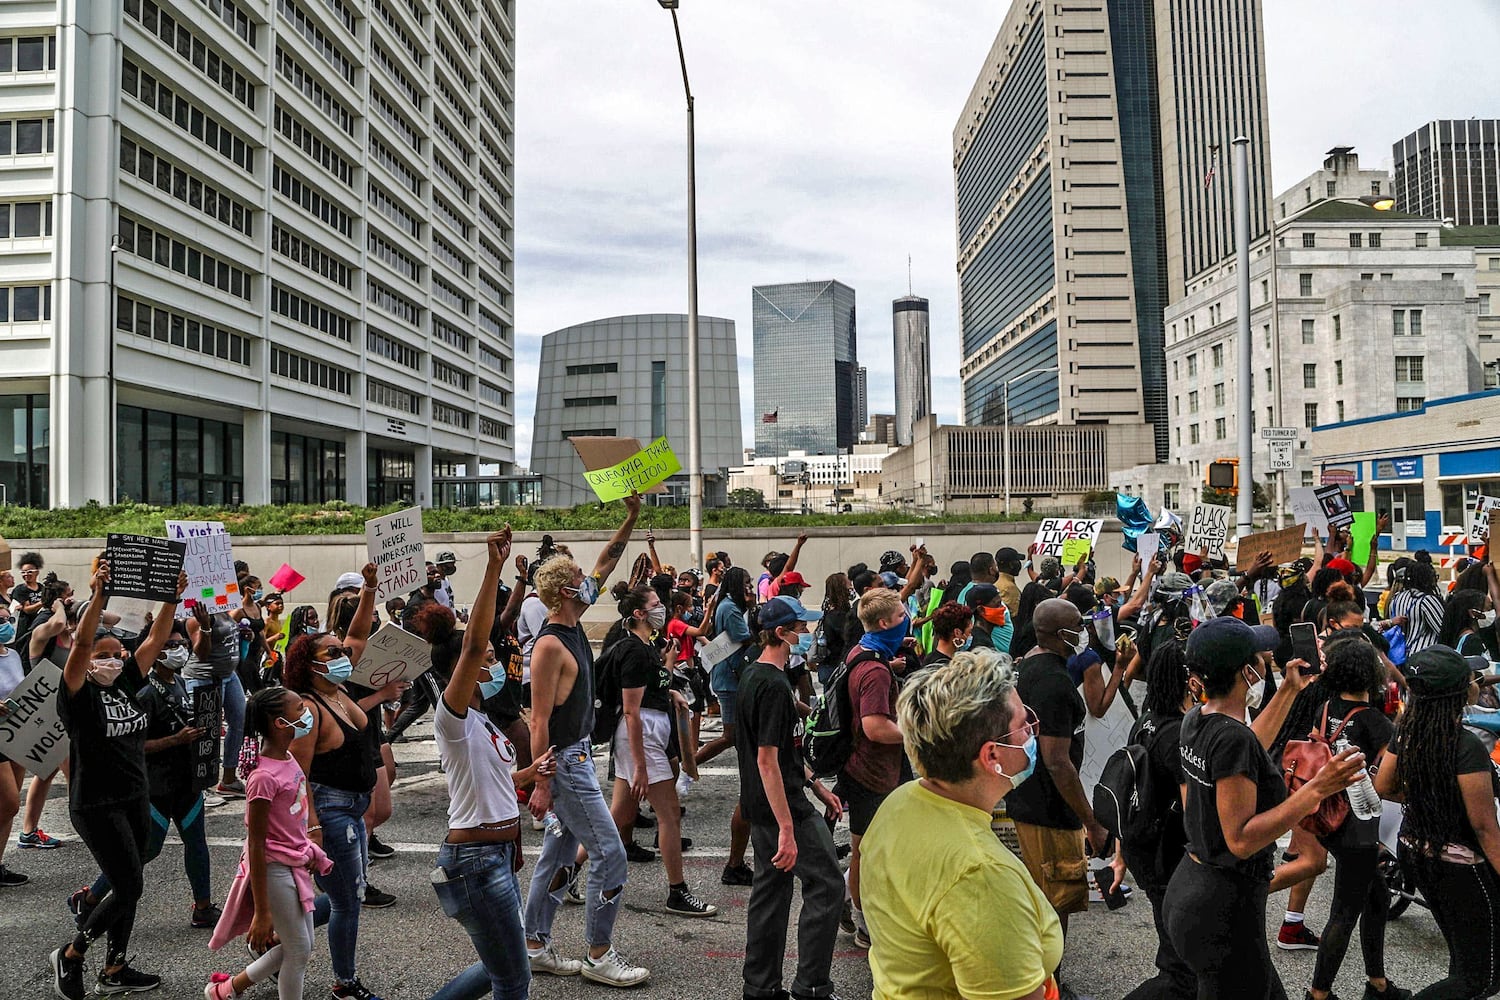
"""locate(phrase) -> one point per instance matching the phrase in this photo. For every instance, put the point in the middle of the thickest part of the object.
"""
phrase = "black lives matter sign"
(143, 566)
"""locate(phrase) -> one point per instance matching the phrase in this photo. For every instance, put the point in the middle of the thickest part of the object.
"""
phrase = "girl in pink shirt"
(272, 895)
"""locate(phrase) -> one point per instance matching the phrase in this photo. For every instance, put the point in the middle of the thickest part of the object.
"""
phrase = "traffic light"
(1224, 475)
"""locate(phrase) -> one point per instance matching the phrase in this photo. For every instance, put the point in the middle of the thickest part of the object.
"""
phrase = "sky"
(824, 138)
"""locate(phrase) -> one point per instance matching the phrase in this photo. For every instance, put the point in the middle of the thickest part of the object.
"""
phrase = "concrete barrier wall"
(321, 558)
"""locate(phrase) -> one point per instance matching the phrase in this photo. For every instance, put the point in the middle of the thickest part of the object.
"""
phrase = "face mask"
(303, 725)
(1021, 775)
(1256, 692)
(338, 670)
(803, 644)
(968, 641)
(995, 616)
(310, 629)
(491, 687)
(587, 592)
(105, 672)
(657, 617)
(1483, 621)
(258, 596)
(1082, 642)
(7, 632)
(176, 657)
(888, 640)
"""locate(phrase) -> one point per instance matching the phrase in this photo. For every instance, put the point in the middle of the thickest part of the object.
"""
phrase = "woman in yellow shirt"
(957, 916)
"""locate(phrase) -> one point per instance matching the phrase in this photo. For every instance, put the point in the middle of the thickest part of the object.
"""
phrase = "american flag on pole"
(1213, 168)
(769, 418)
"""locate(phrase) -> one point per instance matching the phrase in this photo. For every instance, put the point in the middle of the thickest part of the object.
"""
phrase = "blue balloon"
(1135, 518)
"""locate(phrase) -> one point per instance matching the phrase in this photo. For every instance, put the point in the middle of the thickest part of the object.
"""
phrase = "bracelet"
(312, 828)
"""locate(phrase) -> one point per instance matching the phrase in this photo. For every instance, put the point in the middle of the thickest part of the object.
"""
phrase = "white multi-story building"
(1375, 315)
(255, 250)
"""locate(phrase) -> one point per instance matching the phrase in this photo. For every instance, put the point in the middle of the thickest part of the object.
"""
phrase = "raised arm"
(610, 557)
(364, 613)
(918, 572)
(791, 558)
(75, 671)
(1137, 598)
(481, 617)
(651, 549)
(161, 628)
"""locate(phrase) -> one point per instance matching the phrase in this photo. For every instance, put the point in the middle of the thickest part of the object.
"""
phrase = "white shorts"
(656, 730)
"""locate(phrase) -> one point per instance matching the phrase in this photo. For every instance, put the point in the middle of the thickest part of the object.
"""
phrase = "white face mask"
(1485, 620)
(1256, 692)
(1081, 643)
(657, 617)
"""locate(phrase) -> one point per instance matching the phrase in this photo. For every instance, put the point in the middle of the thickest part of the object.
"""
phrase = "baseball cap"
(779, 612)
(1220, 594)
(1007, 554)
(349, 581)
(890, 559)
(444, 556)
(980, 595)
(1343, 566)
(1173, 582)
(793, 579)
(1438, 671)
(1229, 642)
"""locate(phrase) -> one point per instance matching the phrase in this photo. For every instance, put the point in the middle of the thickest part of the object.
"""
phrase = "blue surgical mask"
(310, 629)
(887, 641)
(803, 645)
(303, 725)
(339, 669)
(1021, 775)
(7, 632)
(258, 596)
(493, 686)
(586, 592)
(968, 642)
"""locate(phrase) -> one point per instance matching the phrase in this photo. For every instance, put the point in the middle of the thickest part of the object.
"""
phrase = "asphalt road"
(409, 950)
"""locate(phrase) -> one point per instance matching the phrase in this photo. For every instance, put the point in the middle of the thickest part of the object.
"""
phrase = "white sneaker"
(612, 969)
(684, 785)
(538, 824)
(553, 964)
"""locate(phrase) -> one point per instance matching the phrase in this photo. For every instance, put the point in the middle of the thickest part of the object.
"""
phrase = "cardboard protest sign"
(1284, 545)
(1075, 550)
(208, 715)
(285, 579)
(392, 655)
(1335, 505)
(32, 733)
(143, 566)
(395, 545)
(1306, 509)
(1479, 520)
(717, 650)
(209, 562)
(4, 555)
(1361, 537)
(1208, 527)
(1057, 530)
(618, 467)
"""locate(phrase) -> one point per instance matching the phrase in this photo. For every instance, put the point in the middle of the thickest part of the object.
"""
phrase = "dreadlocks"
(1166, 678)
(1428, 737)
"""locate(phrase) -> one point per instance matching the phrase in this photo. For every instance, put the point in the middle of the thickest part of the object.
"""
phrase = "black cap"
(1228, 642)
(1438, 671)
(1007, 554)
(980, 595)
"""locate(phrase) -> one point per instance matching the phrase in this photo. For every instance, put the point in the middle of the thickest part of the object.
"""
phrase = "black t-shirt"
(168, 709)
(1046, 688)
(1369, 731)
(107, 734)
(505, 708)
(1161, 735)
(1472, 759)
(766, 716)
(1214, 747)
(641, 666)
(936, 658)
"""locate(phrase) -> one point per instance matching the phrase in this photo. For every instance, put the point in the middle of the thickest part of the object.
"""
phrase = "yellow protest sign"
(636, 474)
(1074, 550)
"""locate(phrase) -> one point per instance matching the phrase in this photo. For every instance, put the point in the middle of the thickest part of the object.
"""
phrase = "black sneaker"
(352, 991)
(737, 875)
(10, 879)
(682, 902)
(206, 917)
(67, 975)
(846, 919)
(377, 900)
(687, 842)
(126, 980)
(645, 822)
(380, 850)
(1391, 992)
(635, 852)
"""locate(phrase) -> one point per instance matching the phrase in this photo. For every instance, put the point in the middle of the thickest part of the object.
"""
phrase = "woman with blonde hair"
(972, 741)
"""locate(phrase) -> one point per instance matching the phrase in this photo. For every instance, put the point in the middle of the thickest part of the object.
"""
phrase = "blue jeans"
(342, 816)
(480, 891)
(232, 692)
(585, 818)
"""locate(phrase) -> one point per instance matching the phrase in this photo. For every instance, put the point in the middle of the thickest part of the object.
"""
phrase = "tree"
(747, 498)
(1225, 498)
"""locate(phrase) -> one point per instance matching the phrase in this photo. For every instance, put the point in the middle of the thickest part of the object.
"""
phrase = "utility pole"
(1245, 517)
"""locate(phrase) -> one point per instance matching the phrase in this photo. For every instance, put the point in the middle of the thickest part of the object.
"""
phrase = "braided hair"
(1428, 736)
(1166, 678)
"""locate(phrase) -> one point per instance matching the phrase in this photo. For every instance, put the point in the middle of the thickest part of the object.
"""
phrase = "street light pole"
(1245, 516)
(114, 435)
(695, 417)
(1005, 406)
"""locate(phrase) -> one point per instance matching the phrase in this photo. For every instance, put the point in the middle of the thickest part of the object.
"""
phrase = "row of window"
(595, 368)
(192, 49)
(493, 394)
(492, 325)
(28, 54)
(492, 428)
(385, 394)
(590, 432)
(169, 251)
(575, 401)
(405, 130)
(305, 138)
(392, 210)
(312, 258)
(26, 136)
(299, 368)
(450, 375)
(301, 78)
(448, 294)
(231, 14)
(448, 254)
(25, 303)
(22, 220)
(186, 116)
(492, 358)
(313, 202)
(400, 32)
(387, 159)
(388, 63)
(452, 177)
(199, 195)
(398, 260)
(453, 416)
(451, 216)
(393, 350)
(454, 143)
(492, 288)
(393, 302)
(184, 332)
(294, 307)
(314, 37)
(451, 335)
(1358, 240)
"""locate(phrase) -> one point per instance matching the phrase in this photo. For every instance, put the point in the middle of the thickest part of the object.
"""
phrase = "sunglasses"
(332, 651)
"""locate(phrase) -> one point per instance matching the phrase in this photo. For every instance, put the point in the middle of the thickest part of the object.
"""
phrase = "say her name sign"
(32, 734)
(209, 564)
(1057, 530)
(395, 544)
(392, 655)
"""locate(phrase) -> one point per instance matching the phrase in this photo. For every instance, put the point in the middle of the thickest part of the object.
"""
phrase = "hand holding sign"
(395, 546)
(617, 467)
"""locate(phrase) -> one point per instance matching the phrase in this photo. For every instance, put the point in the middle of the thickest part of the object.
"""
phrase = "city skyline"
(787, 192)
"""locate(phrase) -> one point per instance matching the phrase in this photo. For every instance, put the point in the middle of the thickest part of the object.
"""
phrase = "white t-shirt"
(11, 673)
(533, 616)
(444, 593)
(477, 759)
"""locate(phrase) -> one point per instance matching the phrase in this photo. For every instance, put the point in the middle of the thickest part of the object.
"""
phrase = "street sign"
(1343, 477)
(1281, 456)
(1278, 433)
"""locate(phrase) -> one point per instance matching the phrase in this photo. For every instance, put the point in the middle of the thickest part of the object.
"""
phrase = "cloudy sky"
(825, 147)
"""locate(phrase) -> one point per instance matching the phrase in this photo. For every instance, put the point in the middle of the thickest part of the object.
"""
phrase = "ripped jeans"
(342, 816)
(585, 818)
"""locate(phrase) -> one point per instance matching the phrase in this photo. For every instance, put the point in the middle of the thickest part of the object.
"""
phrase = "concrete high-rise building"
(626, 376)
(255, 252)
(807, 384)
(913, 354)
(862, 395)
(1091, 175)
(1450, 169)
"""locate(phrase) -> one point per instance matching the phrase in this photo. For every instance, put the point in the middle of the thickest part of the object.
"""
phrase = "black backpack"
(828, 733)
(609, 702)
(1126, 799)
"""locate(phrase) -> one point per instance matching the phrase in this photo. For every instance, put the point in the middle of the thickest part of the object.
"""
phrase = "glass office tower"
(806, 392)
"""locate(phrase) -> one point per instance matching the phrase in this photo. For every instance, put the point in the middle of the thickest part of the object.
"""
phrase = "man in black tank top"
(562, 716)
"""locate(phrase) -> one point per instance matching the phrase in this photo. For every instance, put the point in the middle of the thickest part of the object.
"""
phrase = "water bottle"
(1363, 798)
(554, 825)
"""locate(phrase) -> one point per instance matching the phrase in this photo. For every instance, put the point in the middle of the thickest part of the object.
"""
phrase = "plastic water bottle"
(554, 825)
(1363, 798)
